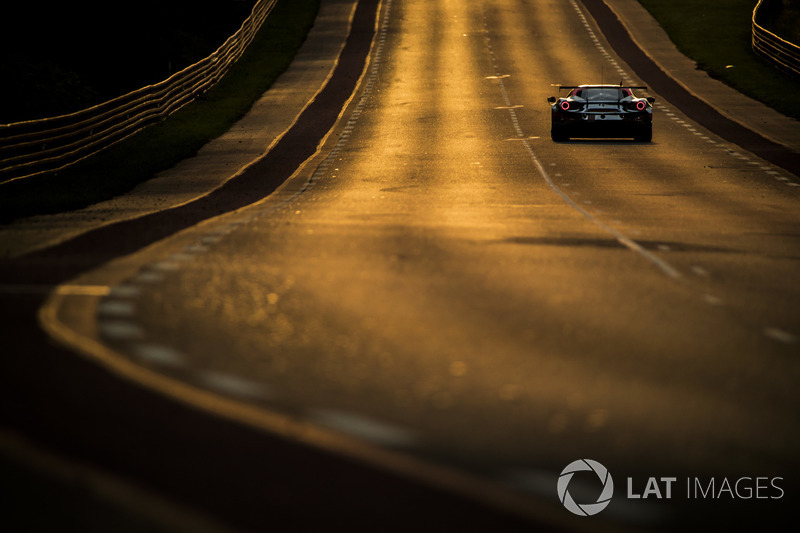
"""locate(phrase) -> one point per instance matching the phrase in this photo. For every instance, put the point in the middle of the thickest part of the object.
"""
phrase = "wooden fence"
(51, 144)
(778, 51)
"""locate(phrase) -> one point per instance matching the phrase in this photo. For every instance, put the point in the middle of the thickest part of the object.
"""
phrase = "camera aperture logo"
(659, 488)
(585, 509)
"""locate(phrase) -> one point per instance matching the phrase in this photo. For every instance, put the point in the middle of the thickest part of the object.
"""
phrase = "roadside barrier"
(47, 145)
(777, 51)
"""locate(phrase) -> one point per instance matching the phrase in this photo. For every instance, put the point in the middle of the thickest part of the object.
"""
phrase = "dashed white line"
(116, 308)
(149, 277)
(235, 386)
(713, 300)
(780, 335)
(158, 354)
(365, 428)
(120, 330)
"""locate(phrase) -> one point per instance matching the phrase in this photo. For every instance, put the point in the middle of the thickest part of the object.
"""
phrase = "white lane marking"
(165, 266)
(780, 335)
(196, 249)
(158, 354)
(665, 267)
(116, 308)
(149, 277)
(235, 386)
(364, 427)
(120, 330)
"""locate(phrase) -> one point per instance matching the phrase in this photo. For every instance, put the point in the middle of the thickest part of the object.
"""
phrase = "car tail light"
(565, 105)
(641, 105)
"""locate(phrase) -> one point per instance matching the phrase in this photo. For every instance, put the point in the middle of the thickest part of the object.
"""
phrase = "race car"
(601, 111)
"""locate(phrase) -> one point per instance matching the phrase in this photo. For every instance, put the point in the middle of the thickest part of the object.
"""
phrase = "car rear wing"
(552, 99)
(570, 87)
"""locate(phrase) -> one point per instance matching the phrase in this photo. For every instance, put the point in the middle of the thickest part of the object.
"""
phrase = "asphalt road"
(445, 293)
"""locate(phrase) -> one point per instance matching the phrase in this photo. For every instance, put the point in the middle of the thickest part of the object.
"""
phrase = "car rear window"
(603, 93)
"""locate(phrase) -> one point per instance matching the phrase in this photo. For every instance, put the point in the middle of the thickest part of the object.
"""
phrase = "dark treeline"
(58, 56)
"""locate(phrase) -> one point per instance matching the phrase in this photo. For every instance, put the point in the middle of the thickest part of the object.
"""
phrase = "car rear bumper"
(609, 127)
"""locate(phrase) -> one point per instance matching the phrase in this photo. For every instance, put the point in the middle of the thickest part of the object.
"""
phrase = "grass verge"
(120, 168)
(717, 35)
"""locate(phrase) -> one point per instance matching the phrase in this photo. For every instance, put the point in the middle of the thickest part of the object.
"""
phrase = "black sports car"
(601, 111)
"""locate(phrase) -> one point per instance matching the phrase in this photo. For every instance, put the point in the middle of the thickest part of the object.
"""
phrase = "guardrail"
(777, 51)
(51, 144)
